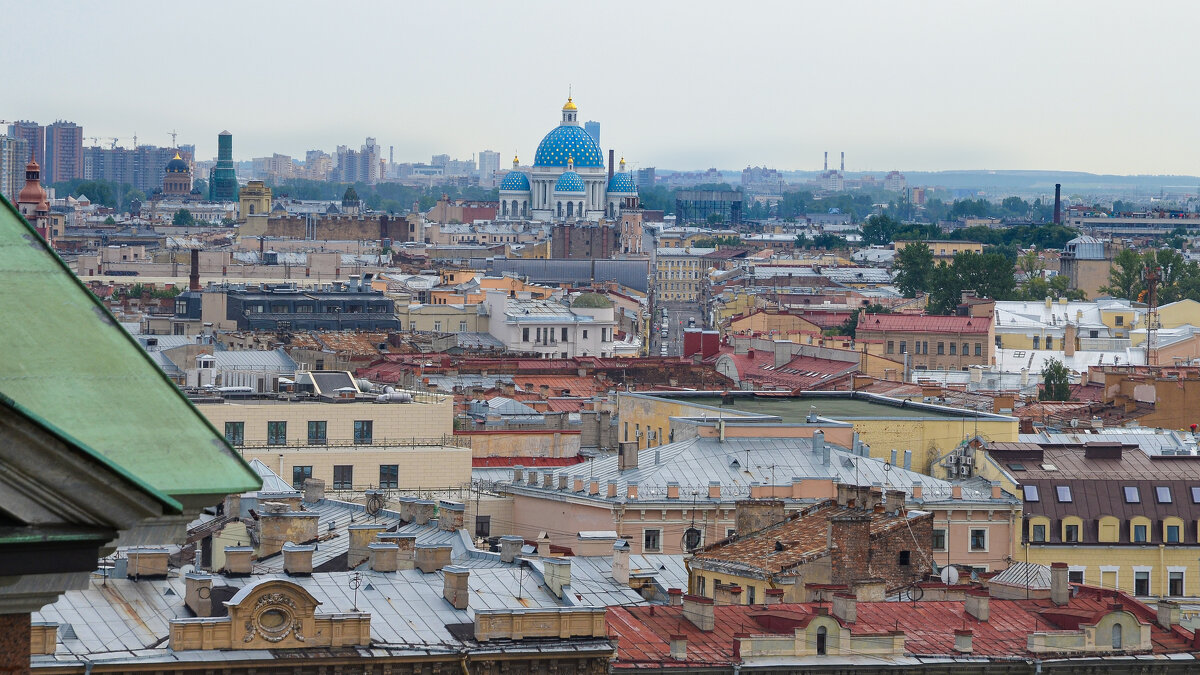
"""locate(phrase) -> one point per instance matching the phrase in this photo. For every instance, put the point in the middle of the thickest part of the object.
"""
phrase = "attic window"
(735, 464)
(1016, 467)
(1163, 493)
(1031, 493)
(1064, 493)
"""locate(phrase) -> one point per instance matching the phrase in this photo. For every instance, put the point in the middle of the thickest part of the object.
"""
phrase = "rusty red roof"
(923, 323)
(643, 633)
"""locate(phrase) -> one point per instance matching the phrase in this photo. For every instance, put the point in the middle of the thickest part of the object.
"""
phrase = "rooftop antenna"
(173, 134)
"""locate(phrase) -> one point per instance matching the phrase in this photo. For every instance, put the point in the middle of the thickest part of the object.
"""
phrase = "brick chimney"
(977, 603)
(1168, 614)
(963, 638)
(423, 511)
(751, 515)
(452, 514)
(510, 548)
(845, 607)
(557, 574)
(297, 559)
(1060, 589)
(620, 562)
(674, 597)
(700, 611)
(774, 596)
(433, 557)
(198, 585)
(314, 490)
(679, 647)
(850, 541)
(361, 536)
(384, 556)
(237, 561)
(406, 545)
(627, 455)
(147, 562)
(456, 587)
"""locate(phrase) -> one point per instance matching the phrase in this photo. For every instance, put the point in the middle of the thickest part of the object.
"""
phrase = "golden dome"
(570, 105)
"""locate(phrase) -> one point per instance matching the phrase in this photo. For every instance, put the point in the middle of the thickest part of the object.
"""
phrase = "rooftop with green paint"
(66, 361)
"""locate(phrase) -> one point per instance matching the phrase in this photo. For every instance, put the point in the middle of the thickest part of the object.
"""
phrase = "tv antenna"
(173, 134)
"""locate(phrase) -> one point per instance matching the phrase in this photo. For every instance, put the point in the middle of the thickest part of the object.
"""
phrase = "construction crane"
(173, 134)
(1152, 275)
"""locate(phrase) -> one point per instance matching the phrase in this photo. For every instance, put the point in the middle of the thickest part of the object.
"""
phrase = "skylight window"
(1031, 493)
(1132, 496)
(1163, 493)
(1064, 493)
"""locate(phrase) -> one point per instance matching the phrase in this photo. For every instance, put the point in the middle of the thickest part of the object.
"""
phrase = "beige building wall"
(522, 443)
(391, 422)
(441, 318)
(418, 467)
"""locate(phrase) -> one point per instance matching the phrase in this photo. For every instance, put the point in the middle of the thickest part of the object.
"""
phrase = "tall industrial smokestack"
(1058, 203)
(610, 163)
(194, 275)
(843, 161)
(826, 161)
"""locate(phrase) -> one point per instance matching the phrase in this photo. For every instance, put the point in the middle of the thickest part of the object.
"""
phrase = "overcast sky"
(1089, 86)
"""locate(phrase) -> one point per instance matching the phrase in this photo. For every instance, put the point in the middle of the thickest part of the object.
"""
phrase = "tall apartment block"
(222, 179)
(64, 153)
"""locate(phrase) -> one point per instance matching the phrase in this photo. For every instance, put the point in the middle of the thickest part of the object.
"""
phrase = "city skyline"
(1039, 89)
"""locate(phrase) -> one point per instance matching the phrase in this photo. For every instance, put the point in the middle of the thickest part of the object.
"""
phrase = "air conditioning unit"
(651, 435)
(964, 471)
(968, 461)
(637, 433)
(952, 460)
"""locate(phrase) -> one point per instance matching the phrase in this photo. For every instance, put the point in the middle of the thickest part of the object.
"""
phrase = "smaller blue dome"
(621, 183)
(515, 181)
(569, 181)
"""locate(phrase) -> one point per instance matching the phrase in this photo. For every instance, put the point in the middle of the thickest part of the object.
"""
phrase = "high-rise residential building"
(64, 153)
(222, 180)
(14, 155)
(489, 164)
(592, 127)
(34, 136)
(895, 181)
(318, 165)
(644, 178)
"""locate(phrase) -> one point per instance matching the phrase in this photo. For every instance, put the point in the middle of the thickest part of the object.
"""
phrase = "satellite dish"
(949, 575)
(1074, 422)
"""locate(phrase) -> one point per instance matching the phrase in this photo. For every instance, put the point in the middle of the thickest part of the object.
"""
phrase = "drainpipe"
(1162, 565)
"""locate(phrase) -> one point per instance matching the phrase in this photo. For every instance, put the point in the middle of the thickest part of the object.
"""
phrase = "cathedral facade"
(568, 180)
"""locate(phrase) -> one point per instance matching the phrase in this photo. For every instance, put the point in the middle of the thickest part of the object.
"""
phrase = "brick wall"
(859, 556)
(15, 642)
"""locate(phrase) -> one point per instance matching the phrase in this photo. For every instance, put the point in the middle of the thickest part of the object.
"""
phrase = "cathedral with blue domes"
(568, 180)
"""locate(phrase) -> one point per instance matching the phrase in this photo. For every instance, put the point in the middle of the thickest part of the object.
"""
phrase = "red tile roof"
(923, 323)
(643, 633)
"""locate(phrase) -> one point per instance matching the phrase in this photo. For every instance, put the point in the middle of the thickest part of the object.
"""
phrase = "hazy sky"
(1090, 86)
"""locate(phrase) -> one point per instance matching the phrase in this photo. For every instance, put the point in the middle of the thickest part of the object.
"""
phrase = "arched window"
(570, 209)
(580, 209)
(503, 208)
(560, 209)
(514, 207)
(823, 639)
(251, 209)
(1116, 636)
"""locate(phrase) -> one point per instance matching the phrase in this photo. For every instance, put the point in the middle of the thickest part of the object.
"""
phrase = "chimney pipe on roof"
(194, 275)
(1058, 203)
(843, 161)
(826, 161)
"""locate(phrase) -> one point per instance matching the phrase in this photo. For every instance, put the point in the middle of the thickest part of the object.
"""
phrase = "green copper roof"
(65, 360)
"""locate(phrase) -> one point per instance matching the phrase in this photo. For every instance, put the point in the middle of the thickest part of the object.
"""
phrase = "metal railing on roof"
(446, 440)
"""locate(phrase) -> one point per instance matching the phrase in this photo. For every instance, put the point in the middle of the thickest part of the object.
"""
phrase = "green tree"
(1056, 385)
(1125, 276)
(913, 266)
(850, 325)
(110, 221)
(715, 219)
(990, 275)
(879, 230)
(183, 218)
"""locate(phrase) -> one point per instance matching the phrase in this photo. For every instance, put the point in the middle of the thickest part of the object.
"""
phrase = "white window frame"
(660, 539)
(1116, 572)
(987, 540)
(1177, 570)
(1082, 569)
(1149, 578)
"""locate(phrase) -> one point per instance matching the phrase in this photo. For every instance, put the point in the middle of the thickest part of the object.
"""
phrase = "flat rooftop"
(844, 406)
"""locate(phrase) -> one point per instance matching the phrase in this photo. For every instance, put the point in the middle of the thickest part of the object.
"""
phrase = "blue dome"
(515, 181)
(565, 142)
(569, 181)
(621, 183)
